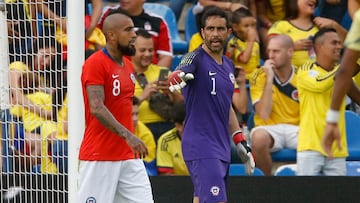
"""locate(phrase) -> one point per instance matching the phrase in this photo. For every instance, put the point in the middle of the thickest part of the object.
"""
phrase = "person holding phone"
(151, 79)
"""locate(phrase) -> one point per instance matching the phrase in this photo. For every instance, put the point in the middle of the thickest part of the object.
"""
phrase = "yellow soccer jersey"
(146, 115)
(30, 119)
(352, 40)
(315, 86)
(285, 27)
(169, 153)
(61, 118)
(145, 135)
(285, 108)
(47, 166)
(278, 10)
(58, 126)
(254, 61)
(356, 78)
(195, 41)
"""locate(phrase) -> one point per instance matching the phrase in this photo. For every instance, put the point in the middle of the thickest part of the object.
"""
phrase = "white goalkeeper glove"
(177, 80)
(244, 151)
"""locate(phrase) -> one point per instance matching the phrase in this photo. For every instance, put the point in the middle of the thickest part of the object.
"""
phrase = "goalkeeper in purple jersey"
(207, 78)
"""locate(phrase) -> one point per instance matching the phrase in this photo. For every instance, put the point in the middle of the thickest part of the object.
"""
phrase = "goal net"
(34, 99)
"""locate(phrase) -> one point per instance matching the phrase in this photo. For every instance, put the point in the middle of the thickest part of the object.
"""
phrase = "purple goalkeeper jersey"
(208, 100)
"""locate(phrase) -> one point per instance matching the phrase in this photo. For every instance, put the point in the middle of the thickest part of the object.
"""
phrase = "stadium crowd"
(273, 45)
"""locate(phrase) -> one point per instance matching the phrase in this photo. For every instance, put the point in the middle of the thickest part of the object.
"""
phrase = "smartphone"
(163, 75)
(141, 80)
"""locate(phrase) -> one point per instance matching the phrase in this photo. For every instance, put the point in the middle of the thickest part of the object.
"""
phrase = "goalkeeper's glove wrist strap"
(238, 136)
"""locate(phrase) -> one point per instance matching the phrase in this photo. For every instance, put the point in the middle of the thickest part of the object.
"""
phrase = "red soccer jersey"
(99, 143)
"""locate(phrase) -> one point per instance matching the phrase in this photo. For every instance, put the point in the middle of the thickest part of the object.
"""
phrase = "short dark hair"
(143, 33)
(178, 112)
(321, 32)
(214, 11)
(240, 13)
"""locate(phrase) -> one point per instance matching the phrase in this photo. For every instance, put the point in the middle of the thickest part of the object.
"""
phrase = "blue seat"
(284, 155)
(179, 45)
(239, 170)
(190, 24)
(176, 60)
(352, 134)
(286, 170)
(151, 168)
(353, 168)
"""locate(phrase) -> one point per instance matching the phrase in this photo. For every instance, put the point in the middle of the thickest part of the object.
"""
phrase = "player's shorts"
(114, 182)
(313, 163)
(284, 135)
(209, 177)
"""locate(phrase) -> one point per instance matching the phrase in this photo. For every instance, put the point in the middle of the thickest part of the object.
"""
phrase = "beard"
(215, 49)
(127, 50)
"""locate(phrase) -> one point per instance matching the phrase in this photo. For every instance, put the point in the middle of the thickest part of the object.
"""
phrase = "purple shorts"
(209, 177)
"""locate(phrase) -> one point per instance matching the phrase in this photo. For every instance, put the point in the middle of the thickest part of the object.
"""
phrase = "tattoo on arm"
(96, 99)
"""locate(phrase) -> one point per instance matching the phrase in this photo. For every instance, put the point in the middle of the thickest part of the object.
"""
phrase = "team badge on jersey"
(215, 190)
(232, 78)
(295, 95)
(90, 200)
(147, 26)
(313, 73)
(132, 77)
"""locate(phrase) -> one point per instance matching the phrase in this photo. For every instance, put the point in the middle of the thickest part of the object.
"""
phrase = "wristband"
(238, 136)
(332, 116)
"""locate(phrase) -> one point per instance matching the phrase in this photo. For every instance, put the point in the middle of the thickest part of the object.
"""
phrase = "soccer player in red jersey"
(110, 168)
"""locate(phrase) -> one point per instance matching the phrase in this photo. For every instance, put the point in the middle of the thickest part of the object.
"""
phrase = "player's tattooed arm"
(96, 99)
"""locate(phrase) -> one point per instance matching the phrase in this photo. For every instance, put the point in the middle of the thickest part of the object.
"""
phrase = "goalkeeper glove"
(244, 151)
(177, 80)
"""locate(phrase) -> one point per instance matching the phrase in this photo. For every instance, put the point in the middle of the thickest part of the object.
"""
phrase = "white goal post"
(76, 36)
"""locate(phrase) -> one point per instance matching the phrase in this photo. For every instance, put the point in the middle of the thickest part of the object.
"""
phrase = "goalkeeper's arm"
(242, 147)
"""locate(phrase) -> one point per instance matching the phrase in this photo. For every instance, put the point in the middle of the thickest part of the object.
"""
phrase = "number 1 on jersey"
(213, 91)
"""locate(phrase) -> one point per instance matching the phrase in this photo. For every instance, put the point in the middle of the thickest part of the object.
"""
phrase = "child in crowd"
(145, 134)
(170, 160)
(243, 47)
